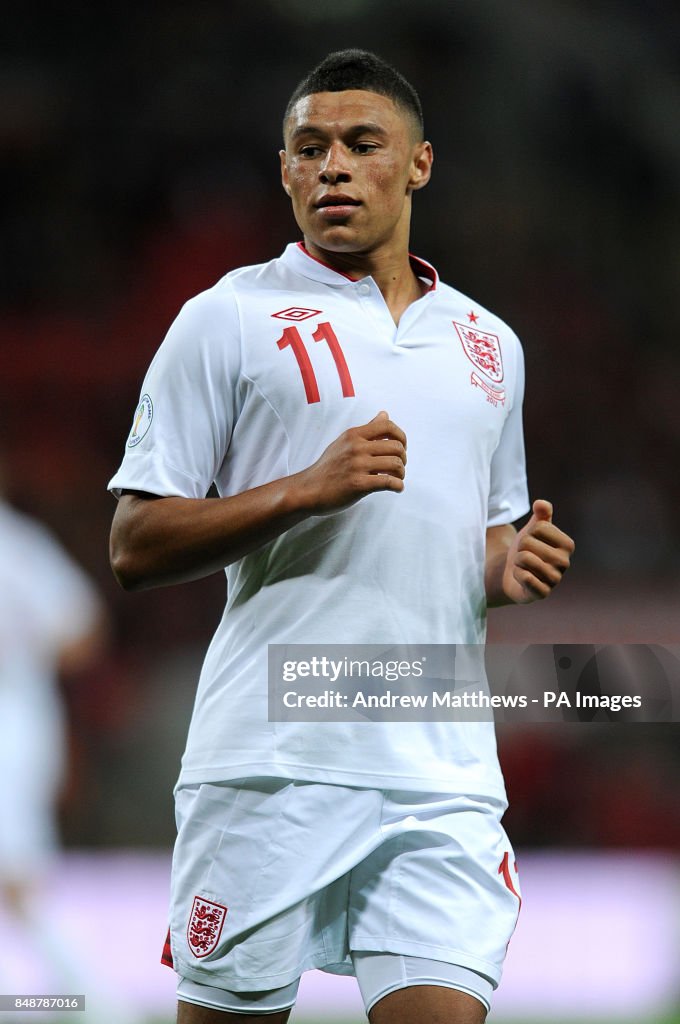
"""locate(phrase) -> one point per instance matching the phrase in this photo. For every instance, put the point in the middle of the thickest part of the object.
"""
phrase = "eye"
(310, 151)
(362, 148)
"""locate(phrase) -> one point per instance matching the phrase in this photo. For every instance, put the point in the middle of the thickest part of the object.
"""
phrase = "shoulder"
(473, 311)
(206, 336)
(469, 315)
(220, 304)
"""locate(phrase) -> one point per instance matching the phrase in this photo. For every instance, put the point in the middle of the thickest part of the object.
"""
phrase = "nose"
(335, 167)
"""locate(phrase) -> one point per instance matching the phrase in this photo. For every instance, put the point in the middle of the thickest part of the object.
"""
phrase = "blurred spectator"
(51, 622)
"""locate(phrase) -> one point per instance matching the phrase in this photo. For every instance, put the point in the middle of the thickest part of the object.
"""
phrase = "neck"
(392, 272)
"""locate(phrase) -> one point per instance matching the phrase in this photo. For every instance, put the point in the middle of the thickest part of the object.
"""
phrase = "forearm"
(499, 540)
(160, 541)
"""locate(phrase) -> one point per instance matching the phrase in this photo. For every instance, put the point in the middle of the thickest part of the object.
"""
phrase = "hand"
(364, 459)
(537, 558)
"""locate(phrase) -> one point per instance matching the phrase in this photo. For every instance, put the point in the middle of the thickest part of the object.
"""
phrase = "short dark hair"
(359, 69)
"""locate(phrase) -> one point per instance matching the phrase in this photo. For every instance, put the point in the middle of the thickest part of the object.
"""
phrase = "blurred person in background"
(52, 622)
(298, 842)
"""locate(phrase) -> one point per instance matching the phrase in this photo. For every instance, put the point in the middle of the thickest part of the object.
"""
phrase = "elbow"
(126, 548)
(125, 568)
(125, 560)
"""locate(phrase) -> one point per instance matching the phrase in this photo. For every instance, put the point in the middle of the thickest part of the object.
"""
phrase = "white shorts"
(272, 878)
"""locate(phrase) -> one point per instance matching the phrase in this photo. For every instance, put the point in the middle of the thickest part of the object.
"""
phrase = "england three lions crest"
(205, 926)
(483, 350)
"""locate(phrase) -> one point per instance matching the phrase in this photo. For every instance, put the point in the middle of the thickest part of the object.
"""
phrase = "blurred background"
(138, 164)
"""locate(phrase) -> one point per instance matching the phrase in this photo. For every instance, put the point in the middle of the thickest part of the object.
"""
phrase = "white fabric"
(229, 405)
(46, 602)
(271, 1001)
(378, 974)
(303, 875)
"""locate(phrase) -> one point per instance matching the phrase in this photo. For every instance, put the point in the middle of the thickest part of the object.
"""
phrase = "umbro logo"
(296, 313)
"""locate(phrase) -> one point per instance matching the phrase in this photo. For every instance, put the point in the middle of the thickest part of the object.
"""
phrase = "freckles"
(379, 178)
(382, 186)
(386, 175)
(300, 184)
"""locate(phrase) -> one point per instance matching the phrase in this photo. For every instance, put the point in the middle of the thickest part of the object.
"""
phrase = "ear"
(284, 172)
(421, 166)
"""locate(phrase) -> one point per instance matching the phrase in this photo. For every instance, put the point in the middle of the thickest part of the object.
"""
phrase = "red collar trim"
(301, 247)
(423, 269)
(420, 268)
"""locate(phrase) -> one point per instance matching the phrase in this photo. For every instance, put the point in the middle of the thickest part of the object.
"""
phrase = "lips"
(336, 199)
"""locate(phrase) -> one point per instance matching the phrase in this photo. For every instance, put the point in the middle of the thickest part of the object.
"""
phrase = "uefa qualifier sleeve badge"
(141, 422)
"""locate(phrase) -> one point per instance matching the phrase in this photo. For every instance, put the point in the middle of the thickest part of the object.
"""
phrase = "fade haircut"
(360, 69)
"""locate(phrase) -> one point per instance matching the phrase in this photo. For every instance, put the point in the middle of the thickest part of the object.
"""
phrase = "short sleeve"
(182, 426)
(508, 492)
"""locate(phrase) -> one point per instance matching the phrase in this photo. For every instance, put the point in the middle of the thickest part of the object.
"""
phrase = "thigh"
(382, 974)
(189, 1013)
(428, 1005)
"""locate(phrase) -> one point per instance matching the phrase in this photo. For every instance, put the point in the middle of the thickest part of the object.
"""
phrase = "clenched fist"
(538, 557)
(363, 459)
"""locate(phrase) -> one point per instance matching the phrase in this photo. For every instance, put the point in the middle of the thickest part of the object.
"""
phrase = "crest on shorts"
(205, 926)
(482, 349)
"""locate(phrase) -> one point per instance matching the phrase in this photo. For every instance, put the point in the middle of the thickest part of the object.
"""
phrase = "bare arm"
(526, 566)
(158, 541)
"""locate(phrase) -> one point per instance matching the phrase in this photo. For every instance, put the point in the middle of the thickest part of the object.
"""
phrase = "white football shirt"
(256, 377)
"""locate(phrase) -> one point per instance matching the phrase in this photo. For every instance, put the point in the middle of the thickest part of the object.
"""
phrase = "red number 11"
(324, 332)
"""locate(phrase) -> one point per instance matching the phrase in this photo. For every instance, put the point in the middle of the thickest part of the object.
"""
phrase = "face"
(350, 165)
